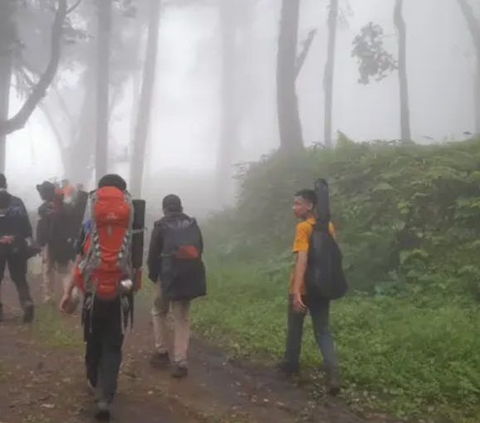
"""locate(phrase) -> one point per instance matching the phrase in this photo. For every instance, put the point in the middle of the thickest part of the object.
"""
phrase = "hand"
(297, 304)
(7, 239)
(64, 302)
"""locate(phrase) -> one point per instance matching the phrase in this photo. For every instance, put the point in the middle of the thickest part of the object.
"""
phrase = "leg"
(48, 275)
(160, 310)
(320, 314)
(181, 336)
(3, 263)
(93, 350)
(291, 360)
(62, 275)
(111, 349)
(17, 266)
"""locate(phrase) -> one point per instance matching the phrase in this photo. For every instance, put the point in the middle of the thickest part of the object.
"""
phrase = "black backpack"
(324, 277)
(182, 271)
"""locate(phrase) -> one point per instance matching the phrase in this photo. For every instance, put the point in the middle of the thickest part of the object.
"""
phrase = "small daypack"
(107, 247)
(182, 269)
(324, 277)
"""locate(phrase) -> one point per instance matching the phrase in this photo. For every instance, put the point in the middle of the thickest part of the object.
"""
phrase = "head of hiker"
(113, 180)
(172, 204)
(304, 203)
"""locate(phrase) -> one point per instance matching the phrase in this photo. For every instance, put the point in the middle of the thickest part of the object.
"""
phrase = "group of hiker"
(92, 247)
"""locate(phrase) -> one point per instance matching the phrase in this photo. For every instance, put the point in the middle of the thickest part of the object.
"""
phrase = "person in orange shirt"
(299, 305)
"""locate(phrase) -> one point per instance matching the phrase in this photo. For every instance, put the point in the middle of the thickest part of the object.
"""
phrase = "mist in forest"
(194, 88)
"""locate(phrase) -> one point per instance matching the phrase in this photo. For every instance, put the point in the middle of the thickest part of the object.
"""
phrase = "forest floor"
(42, 380)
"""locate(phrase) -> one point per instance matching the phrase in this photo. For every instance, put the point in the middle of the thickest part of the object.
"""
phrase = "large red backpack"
(107, 247)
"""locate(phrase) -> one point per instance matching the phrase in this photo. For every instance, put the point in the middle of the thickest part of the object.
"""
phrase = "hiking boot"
(28, 313)
(103, 411)
(288, 369)
(333, 382)
(160, 360)
(179, 372)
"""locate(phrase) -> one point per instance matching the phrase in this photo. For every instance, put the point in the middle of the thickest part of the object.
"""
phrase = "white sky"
(185, 121)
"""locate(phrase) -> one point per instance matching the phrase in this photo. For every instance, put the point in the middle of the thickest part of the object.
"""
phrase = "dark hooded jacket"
(180, 279)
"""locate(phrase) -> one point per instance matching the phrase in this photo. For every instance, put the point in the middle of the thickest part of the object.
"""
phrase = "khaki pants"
(181, 326)
(53, 274)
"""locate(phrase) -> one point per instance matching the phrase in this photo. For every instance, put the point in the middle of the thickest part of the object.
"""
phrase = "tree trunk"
(474, 28)
(146, 97)
(5, 82)
(330, 71)
(19, 120)
(103, 85)
(229, 137)
(290, 127)
(402, 72)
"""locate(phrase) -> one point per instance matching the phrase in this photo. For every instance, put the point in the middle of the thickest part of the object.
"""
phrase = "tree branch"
(20, 119)
(304, 53)
(472, 22)
(73, 7)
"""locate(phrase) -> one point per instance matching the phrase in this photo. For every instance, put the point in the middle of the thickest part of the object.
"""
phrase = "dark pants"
(104, 339)
(17, 266)
(319, 312)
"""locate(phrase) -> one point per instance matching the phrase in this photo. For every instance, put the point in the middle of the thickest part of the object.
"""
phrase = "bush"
(407, 215)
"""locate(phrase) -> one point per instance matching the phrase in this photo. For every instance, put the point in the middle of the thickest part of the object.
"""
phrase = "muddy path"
(43, 382)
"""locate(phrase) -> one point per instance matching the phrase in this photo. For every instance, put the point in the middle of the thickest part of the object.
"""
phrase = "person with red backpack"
(176, 267)
(104, 273)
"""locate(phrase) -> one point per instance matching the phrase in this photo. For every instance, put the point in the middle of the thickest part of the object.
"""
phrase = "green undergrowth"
(56, 331)
(402, 355)
(407, 218)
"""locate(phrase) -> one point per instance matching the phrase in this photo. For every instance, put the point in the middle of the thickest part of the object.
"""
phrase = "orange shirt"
(301, 243)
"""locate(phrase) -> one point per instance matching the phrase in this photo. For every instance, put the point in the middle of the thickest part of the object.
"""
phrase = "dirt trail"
(42, 384)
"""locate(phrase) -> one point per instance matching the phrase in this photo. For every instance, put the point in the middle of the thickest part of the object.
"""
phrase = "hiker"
(103, 272)
(299, 301)
(16, 246)
(176, 267)
(57, 230)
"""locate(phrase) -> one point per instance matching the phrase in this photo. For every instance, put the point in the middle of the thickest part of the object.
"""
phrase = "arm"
(300, 269)
(26, 225)
(154, 253)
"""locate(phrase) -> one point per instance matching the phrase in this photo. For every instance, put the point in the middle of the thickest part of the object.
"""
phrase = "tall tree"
(330, 71)
(146, 97)
(9, 44)
(229, 136)
(103, 85)
(406, 134)
(473, 24)
(291, 138)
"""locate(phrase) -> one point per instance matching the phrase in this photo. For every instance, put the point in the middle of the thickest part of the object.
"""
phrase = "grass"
(404, 356)
(56, 331)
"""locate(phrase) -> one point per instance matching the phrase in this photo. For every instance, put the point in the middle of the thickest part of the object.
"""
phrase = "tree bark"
(20, 119)
(146, 99)
(290, 127)
(229, 137)
(402, 72)
(474, 28)
(103, 85)
(7, 35)
(330, 72)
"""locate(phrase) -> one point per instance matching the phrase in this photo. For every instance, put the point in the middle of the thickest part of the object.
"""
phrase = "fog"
(187, 112)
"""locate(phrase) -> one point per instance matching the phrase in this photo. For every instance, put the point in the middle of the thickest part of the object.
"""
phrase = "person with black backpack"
(16, 246)
(317, 279)
(175, 265)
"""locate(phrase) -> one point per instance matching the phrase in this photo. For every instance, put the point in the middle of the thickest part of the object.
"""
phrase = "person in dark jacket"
(175, 265)
(15, 244)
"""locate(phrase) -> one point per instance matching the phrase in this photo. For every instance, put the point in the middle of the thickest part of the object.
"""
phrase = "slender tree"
(473, 24)
(146, 97)
(402, 72)
(330, 71)
(8, 45)
(103, 85)
(291, 138)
